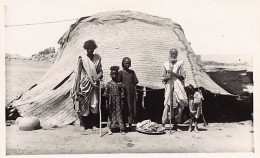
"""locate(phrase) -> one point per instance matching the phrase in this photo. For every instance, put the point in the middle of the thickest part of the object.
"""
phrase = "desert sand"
(20, 75)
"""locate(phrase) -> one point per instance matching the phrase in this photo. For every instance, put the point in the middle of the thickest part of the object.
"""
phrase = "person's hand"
(164, 82)
(95, 79)
(166, 78)
(96, 82)
(79, 96)
(95, 85)
(173, 73)
(169, 72)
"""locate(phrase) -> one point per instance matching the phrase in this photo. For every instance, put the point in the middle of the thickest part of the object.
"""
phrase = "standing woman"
(175, 95)
(85, 88)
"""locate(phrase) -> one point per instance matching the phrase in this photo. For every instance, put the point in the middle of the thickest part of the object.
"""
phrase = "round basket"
(29, 123)
(140, 130)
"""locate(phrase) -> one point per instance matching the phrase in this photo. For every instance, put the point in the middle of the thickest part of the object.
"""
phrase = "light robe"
(175, 95)
(84, 84)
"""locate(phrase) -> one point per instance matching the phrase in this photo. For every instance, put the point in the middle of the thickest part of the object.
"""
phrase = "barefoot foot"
(110, 133)
(95, 128)
(123, 133)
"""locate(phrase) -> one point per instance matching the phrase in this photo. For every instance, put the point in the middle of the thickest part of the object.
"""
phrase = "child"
(129, 80)
(195, 106)
(114, 93)
(201, 90)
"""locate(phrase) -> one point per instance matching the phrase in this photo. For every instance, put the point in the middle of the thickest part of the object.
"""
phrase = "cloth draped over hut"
(146, 39)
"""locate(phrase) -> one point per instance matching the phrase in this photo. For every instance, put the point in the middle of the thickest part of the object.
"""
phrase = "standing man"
(84, 93)
(175, 96)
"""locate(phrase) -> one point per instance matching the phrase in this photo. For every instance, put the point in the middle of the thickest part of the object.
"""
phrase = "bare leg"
(82, 128)
(175, 125)
(122, 128)
(196, 126)
(130, 125)
(94, 119)
(130, 109)
(108, 126)
(165, 115)
(204, 121)
(109, 131)
(190, 126)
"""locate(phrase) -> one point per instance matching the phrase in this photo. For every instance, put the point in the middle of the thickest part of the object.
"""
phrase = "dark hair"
(114, 68)
(124, 59)
(201, 88)
(190, 90)
(90, 44)
(173, 49)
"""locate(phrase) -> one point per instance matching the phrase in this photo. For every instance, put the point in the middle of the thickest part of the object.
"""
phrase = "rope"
(99, 106)
(40, 23)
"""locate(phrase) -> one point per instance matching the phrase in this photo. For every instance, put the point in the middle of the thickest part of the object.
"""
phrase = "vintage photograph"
(111, 77)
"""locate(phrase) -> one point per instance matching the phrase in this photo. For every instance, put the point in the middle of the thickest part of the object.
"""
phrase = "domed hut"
(146, 39)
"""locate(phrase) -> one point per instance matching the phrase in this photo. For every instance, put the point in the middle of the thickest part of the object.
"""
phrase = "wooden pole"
(171, 95)
(99, 105)
(170, 119)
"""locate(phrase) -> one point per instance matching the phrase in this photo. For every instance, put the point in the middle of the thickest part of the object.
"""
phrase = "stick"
(99, 105)
(170, 111)
(171, 90)
(170, 119)
(171, 104)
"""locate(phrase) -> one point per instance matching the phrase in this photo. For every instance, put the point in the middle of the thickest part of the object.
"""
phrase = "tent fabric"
(146, 39)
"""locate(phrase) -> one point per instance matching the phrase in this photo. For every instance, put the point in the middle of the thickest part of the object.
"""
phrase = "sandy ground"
(217, 137)
(21, 75)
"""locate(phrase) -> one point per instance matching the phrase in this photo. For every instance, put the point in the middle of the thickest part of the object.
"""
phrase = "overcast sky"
(212, 27)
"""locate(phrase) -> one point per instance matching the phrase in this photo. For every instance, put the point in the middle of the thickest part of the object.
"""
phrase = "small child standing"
(129, 80)
(195, 106)
(114, 93)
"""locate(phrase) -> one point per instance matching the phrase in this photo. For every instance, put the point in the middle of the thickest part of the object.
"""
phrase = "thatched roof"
(144, 38)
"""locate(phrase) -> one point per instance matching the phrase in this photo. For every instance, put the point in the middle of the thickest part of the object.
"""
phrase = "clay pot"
(18, 120)
(29, 123)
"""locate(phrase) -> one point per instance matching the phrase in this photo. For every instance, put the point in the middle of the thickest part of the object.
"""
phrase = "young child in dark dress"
(114, 93)
(129, 80)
